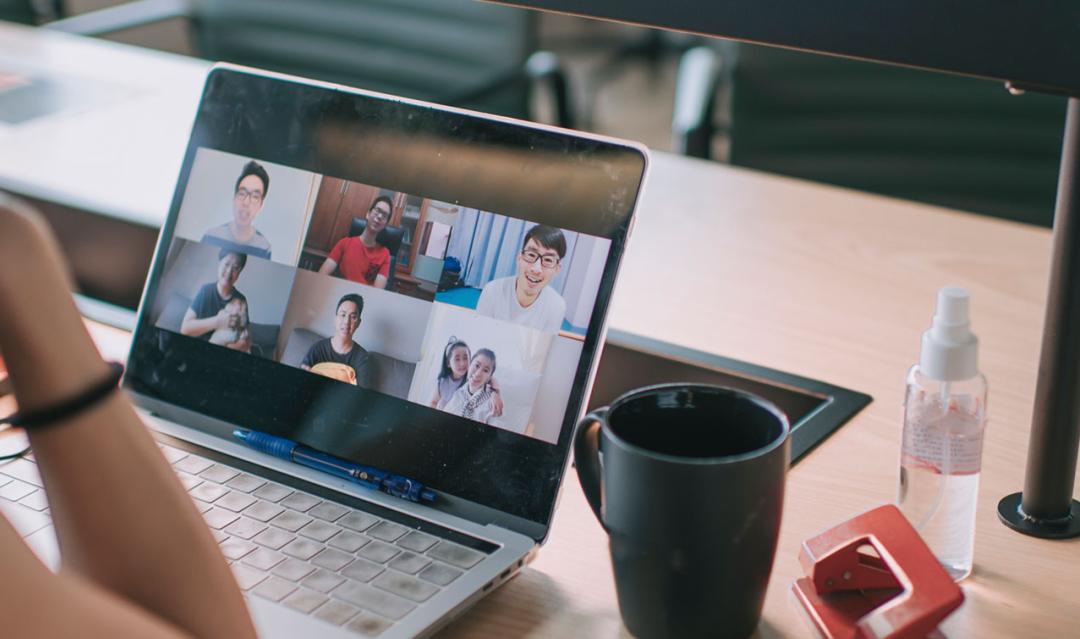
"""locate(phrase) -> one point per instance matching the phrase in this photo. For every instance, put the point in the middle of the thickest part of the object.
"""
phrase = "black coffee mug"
(688, 481)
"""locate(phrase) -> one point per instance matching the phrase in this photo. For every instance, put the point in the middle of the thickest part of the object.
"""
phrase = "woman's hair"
(488, 353)
(445, 372)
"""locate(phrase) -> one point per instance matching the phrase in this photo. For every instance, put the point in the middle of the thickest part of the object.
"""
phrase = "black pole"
(1046, 507)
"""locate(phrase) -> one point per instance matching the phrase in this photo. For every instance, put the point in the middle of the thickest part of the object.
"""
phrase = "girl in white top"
(475, 399)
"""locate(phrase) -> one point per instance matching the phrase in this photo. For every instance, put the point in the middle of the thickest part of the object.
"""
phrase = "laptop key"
(189, 481)
(234, 548)
(264, 558)
(290, 521)
(452, 553)
(23, 470)
(368, 624)
(332, 559)
(272, 492)
(274, 589)
(263, 510)
(361, 570)
(248, 577)
(15, 490)
(219, 517)
(193, 465)
(336, 612)
(387, 531)
(409, 563)
(235, 501)
(328, 511)
(218, 473)
(293, 570)
(405, 586)
(300, 502)
(305, 600)
(377, 601)
(273, 538)
(302, 548)
(208, 492)
(348, 541)
(322, 580)
(35, 500)
(440, 574)
(245, 528)
(417, 541)
(378, 551)
(172, 455)
(219, 536)
(25, 520)
(245, 483)
(358, 521)
(319, 530)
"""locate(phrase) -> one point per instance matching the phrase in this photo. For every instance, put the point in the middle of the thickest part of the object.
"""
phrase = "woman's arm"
(121, 515)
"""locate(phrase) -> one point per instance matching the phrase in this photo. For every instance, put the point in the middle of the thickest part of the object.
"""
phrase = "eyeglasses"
(547, 261)
(244, 194)
(380, 213)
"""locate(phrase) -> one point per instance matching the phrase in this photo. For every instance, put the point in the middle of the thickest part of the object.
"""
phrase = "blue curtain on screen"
(488, 245)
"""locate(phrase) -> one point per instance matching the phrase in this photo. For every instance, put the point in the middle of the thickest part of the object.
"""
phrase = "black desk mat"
(814, 408)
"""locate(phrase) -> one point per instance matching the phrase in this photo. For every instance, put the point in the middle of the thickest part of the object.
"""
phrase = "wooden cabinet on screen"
(337, 203)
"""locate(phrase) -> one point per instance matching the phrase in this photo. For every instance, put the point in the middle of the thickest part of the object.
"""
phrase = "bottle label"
(948, 442)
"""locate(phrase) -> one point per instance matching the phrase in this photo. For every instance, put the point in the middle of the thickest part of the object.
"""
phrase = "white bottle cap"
(950, 351)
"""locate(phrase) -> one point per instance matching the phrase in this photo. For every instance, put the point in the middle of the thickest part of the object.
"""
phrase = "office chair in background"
(31, 11)
(458, 52)
(390, 237)
(947, 140)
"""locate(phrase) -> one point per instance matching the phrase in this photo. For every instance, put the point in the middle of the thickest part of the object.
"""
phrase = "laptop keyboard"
(344, 566)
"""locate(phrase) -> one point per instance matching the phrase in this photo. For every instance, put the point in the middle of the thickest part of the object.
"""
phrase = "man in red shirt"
(360, 258)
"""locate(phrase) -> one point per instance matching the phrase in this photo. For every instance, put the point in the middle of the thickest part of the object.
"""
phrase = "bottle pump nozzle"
(950, 351)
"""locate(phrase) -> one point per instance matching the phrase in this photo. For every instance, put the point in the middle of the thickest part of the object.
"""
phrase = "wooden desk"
(836, 285)
(813, 280)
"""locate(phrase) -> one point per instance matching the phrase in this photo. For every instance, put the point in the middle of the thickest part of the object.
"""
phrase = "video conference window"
(380, 238)
(468, 312)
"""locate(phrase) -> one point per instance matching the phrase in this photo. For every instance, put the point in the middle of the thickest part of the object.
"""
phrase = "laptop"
(411, 290)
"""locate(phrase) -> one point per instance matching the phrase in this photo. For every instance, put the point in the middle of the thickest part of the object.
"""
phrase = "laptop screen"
(405, 287)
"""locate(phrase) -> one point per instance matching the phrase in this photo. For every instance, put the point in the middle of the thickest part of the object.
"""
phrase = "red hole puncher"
(873, 577)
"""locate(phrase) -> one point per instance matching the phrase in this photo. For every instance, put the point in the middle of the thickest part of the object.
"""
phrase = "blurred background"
(951, 141)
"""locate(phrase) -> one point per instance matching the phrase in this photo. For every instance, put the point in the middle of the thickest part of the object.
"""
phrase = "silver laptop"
(369, 329)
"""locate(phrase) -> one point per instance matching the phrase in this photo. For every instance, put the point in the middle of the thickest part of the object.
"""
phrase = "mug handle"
(587, 458)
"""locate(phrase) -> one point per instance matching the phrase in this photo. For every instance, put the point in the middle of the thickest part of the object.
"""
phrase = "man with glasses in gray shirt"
(240, 234)
(525, 298)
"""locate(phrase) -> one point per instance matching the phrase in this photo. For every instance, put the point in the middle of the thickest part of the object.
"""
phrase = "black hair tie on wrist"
(69, 406)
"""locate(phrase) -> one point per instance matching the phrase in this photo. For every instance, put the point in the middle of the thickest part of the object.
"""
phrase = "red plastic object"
(873, 577)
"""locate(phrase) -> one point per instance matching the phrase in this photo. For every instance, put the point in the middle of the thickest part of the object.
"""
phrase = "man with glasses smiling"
(362, 259)
(525, 298)
(248, 196)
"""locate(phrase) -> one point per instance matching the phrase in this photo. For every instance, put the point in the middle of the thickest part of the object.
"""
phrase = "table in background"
(812, 280)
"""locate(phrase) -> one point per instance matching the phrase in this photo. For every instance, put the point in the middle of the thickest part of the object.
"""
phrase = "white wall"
(555, 389)
(391, 324)
(285, 214)
(265, 284)
(590, 255)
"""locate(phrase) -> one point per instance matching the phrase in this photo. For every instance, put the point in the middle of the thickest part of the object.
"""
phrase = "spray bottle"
(944, 422)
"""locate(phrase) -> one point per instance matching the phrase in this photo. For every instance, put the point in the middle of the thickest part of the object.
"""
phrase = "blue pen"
(366, 476)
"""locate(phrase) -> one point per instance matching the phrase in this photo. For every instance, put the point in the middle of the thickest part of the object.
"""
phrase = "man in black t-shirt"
(341, 349)
(208, 311)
